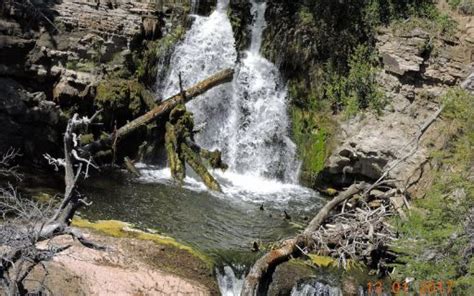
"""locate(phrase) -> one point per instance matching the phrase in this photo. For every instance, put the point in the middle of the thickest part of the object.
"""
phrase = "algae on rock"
(181, 149)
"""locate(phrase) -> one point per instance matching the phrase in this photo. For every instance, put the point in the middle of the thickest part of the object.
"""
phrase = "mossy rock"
(313, 133)
(122, 100)
(157, 53)
(287, 275)
(121, 229)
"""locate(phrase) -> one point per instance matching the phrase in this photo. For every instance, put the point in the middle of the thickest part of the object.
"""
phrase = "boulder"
(468, 83)
(29, 122)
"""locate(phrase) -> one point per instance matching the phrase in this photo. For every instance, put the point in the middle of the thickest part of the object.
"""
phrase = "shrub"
(359, 90)
(435, 238)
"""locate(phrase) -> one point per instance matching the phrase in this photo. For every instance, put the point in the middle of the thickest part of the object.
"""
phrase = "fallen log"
(131, 167)
(292, 247)
(162, 109)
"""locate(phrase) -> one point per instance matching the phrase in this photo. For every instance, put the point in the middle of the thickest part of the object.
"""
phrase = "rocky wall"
(59, 52)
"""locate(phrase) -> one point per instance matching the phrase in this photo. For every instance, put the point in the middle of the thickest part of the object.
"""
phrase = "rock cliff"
(56, 53)
(417, 69)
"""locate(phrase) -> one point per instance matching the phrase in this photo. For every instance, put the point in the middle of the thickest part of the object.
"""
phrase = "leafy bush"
(359, 90)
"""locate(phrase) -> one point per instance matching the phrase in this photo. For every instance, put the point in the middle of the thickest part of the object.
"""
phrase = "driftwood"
(131, 167)
(292, 247)
(181, 149)
(317, 236)
(162, 109)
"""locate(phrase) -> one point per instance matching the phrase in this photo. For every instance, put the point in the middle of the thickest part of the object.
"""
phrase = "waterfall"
(208, 47)
(315, 288)
(259, 141)
(229, 283)
(248, 119)
(194, 6)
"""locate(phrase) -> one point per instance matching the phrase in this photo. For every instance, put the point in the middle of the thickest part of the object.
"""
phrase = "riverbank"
(135, 263)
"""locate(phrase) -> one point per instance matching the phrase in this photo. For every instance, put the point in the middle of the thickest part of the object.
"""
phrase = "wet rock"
(468, 83)
(287, 275)
(28, 121)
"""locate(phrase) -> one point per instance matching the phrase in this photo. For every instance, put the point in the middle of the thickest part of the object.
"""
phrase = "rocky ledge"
(417, 70)
(57, 52)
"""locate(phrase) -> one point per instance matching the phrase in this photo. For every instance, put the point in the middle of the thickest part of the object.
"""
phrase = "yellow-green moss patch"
(122, 229)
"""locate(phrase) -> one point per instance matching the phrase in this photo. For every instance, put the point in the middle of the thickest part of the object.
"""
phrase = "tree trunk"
(292, 247)
(162, 109)
(194, 160)
(176, 163)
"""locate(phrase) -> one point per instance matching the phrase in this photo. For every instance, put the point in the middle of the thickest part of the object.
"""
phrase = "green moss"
(122, 100)
(116, 228)
(81, 66)
(305, 17)
(43, 198)
(312, 132)
(87, 139)
(148, 60)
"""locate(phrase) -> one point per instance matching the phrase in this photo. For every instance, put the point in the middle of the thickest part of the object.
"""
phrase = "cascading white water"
(208, 47)
(247, 120)
(229, 283)
(315, 288)
(194, 6)
(259, 142)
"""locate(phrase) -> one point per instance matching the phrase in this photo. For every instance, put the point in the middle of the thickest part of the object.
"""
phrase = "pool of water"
(212, 222)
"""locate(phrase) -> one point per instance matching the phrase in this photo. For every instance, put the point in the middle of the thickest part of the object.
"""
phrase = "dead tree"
(181, 149)
(27, 223)
(7, 169)
(293, 247)
(163, 109)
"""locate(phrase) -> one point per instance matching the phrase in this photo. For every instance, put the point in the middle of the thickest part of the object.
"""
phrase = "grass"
(435, 238)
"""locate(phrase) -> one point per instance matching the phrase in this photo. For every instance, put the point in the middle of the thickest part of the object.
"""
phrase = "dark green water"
(211, 222)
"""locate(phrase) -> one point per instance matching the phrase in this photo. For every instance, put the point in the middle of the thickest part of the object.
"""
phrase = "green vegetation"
(313, 128)
(454, 3)
(326, 50)
(436, 239)
(147, 62)
(359, 90)
(464, 6)
(312, 132)
(305, 17)
(436, 24)
(122, 99)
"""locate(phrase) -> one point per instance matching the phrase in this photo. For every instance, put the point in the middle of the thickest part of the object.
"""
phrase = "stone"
(287, 275)
(28, 121)
(468, 83)
(402, 54)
